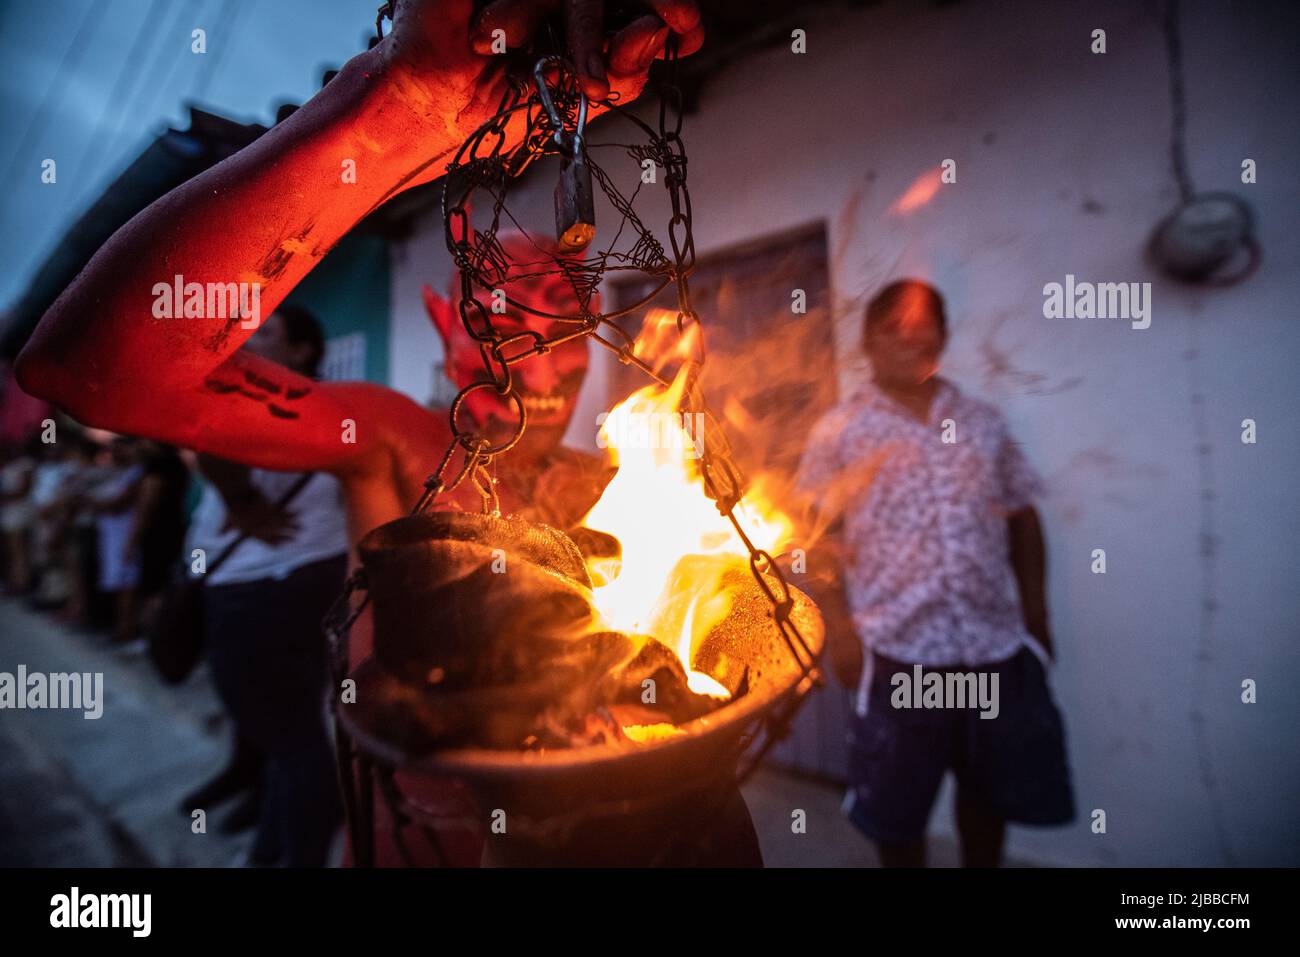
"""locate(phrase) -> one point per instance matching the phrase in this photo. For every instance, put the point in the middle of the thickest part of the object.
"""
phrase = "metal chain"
(480, 260)
(721, 477)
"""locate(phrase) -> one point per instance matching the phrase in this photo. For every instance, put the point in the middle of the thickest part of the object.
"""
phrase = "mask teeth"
(544, 403)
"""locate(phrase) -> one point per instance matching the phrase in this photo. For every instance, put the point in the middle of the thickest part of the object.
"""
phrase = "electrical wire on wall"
(1209, 238)
(1207, 539)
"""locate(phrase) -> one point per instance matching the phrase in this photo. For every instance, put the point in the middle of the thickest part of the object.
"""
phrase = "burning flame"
(657, 508)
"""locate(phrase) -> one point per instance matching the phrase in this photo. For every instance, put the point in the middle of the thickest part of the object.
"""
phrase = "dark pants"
(269, 662)
(1012, 766)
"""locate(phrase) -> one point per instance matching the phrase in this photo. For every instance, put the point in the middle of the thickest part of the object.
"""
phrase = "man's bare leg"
(20, 570)
(982, 835)
(128, 616)
(902, 853)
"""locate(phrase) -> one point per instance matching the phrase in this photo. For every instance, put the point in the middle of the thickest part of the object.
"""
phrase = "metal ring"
(475, 444)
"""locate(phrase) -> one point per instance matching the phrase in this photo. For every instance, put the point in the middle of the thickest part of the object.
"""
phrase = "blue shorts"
(1012, 765)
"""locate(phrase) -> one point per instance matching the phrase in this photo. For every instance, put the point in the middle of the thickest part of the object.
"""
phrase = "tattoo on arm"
(261, 390)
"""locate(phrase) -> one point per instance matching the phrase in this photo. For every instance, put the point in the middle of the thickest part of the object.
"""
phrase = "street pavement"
(106, 792)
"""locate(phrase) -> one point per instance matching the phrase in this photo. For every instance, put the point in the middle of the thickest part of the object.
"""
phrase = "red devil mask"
(547, 384)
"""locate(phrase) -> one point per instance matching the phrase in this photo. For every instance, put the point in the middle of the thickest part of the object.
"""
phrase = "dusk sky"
(89, 83)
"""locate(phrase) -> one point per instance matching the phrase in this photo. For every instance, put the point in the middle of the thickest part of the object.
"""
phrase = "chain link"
(721, 478)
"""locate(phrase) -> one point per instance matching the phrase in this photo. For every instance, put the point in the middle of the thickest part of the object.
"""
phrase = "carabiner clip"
(571, 145)
(575, 202)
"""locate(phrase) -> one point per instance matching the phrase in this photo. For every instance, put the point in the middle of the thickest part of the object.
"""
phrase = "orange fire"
(676, 545)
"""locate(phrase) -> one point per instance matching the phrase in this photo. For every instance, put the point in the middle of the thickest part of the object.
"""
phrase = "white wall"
(1063, 168)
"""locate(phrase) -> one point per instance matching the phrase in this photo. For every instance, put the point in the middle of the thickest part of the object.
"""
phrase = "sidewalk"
(106, 791)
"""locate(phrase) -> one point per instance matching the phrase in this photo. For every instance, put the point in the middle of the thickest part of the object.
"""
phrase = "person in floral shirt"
(936, 559)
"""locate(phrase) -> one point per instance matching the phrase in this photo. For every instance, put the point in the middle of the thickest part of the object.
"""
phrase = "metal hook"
(574, 145)
(385, 10)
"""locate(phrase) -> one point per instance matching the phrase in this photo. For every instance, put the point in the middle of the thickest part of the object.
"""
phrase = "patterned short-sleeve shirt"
(924, 508)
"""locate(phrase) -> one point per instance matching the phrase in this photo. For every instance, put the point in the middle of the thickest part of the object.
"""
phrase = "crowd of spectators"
(93, 527)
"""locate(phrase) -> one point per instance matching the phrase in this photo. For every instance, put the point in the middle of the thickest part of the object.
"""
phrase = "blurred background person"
(55, 465)
(16, 514)
(115, 499)
(160, 521)
(262, 610)
(943, 567)
(76, 528)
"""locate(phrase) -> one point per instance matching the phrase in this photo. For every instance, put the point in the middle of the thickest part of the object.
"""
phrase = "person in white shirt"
(262, 609)
(115, 500)
(16, 514)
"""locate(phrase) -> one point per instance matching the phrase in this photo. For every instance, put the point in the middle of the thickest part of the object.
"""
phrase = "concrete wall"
(1063, 167)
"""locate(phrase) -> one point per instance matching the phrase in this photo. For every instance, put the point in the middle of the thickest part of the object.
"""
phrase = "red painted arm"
(266, 215)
